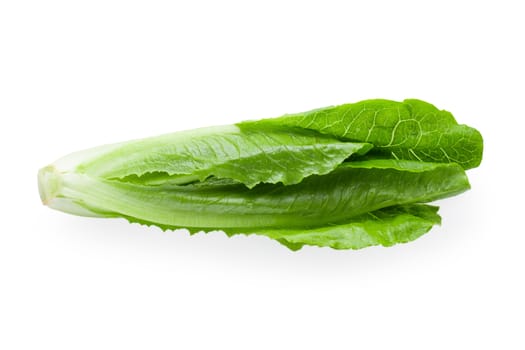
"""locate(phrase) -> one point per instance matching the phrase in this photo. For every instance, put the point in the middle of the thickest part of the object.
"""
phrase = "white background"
(76, 74)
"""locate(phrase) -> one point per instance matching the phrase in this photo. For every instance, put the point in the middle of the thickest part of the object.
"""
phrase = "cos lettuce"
(345, 177)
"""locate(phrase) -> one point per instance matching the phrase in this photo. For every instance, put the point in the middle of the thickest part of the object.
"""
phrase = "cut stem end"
(48, 184)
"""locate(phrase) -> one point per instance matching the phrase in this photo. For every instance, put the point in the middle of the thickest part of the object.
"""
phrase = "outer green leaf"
(348, 191)
(386, 227)
(246, 155)
(412, 129)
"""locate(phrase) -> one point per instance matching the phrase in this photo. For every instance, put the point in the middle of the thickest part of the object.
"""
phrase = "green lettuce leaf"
(385, 227)
(412, 129)
(352, 189)
(246, 155)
